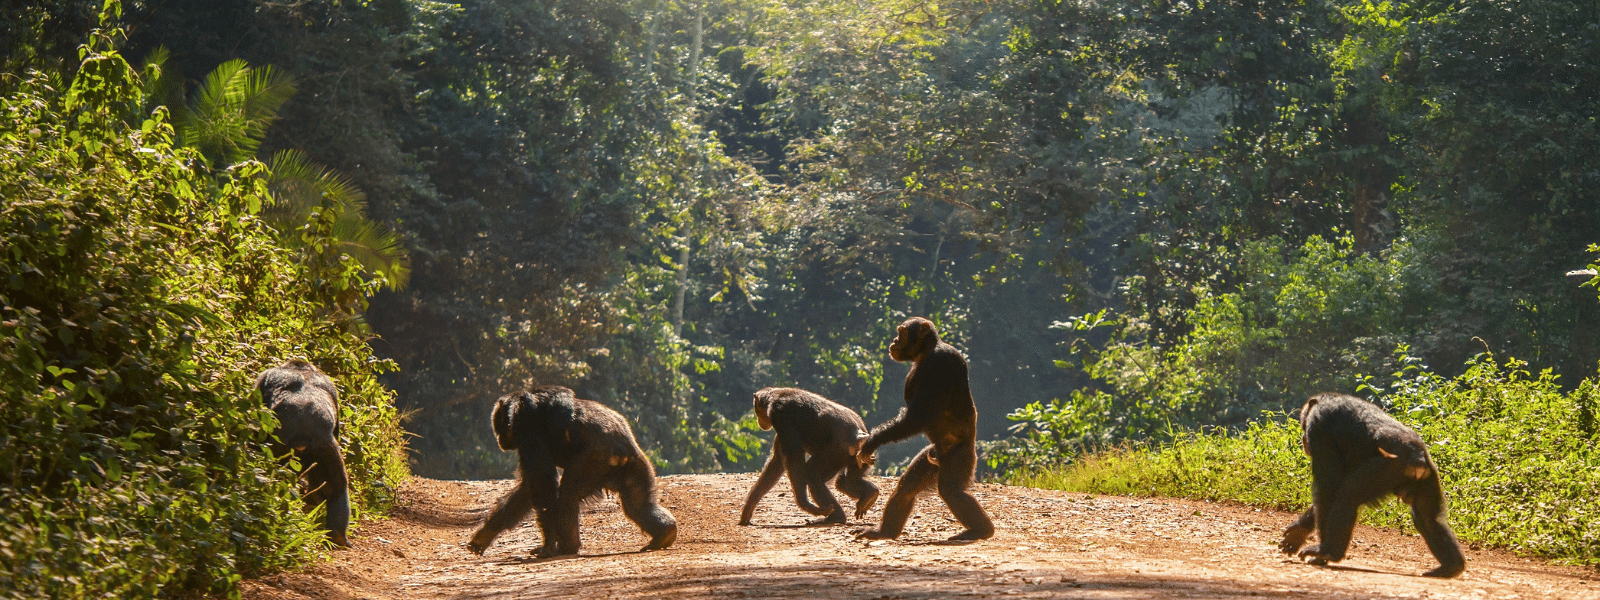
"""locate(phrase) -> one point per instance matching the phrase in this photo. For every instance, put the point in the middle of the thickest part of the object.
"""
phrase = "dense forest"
(1136, 217)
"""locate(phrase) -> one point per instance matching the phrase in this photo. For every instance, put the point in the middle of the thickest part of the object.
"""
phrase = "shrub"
(139, 296)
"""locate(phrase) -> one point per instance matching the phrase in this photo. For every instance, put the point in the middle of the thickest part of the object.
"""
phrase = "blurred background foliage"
(1137, 217)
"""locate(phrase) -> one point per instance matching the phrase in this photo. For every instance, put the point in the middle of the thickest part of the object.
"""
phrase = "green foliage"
(1374, 119)
(1265, 346)
(226, 122)
(139, 296)
(560, 197)
(1053, 434)
(564, 172)
(43, 37)
(1515, 452)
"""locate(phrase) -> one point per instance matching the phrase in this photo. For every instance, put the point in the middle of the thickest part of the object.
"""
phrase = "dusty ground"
(1049, 545)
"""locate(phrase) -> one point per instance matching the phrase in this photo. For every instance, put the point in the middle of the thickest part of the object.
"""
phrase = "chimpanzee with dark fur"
(832, 434)
(307, 406)
(595, 451)
(1359, 454)
(938, 405)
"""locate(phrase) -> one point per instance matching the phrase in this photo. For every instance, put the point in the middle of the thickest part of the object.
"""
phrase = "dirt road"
(1049, 545)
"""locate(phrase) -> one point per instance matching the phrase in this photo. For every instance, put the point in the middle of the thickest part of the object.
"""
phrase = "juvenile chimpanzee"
(939, 405)
(830, 433)
(1359, 454)
(594, 449)
(307, 406)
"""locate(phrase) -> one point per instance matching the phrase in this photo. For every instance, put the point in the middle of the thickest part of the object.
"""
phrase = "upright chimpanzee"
(1359, 454)
(830, 433)
(939, 405)
(594, 449)
(307, 406)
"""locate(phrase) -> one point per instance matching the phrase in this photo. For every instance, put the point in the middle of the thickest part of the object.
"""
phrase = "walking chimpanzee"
(938, 405)
(1359, 454)
(594, 449)
(831, 433)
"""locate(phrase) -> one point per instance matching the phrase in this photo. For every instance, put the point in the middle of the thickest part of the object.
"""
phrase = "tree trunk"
(688, 237)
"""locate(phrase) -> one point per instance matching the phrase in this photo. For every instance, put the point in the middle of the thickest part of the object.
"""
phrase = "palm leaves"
(232, 110)
(299, 185)
(226, 121)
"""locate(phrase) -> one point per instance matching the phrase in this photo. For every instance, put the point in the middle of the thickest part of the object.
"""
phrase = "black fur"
(595, 451)
(831, 433)
(1359, 455)
(939, 405)
(307, 406)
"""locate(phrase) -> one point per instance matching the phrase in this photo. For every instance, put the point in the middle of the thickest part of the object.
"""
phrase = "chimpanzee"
(307, 406)
(594, 449)
(1359, 454)
(938, 405)
(830, 433)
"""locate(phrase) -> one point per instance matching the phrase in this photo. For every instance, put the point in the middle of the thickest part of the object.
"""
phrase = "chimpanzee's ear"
(926, 335)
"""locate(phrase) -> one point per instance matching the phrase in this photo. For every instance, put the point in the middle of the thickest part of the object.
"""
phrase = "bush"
(1300, 321)
(139, 296)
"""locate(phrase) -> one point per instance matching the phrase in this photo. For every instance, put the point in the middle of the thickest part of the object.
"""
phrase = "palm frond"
(266, 90)
(212, 123)
(298, 185)
(231, 114)
(376, 247)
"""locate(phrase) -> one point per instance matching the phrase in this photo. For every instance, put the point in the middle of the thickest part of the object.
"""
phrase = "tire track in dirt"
(1049, 545)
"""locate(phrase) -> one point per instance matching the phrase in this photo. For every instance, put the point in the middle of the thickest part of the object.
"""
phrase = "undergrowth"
(139, 295)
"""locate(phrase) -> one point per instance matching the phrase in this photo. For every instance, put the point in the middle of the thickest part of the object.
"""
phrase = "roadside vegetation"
(140, 294)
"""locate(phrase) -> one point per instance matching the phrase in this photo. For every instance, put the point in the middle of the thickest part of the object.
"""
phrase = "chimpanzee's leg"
(920, 475)
(770, 475)
(957, 465)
